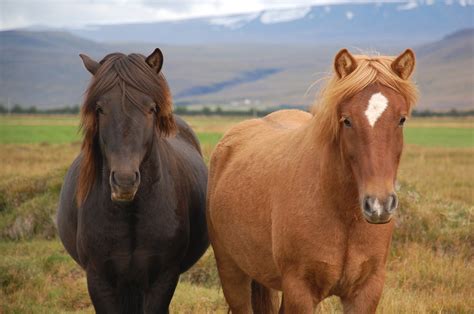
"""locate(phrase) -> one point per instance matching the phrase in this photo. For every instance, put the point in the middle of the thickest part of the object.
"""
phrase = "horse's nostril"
(137, 176)
(112, 175)
(367, 205)
(392, 202)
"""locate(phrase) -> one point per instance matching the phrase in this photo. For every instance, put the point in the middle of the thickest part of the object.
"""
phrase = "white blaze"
(377, 105)
(378, 207)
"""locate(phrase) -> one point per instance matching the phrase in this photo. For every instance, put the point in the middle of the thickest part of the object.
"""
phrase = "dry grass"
(27, 160)
(430, 268)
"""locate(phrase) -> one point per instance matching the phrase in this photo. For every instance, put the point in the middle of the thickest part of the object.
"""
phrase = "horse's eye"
(153, 109)
(347, 122)
(99, 109)
(402, 121)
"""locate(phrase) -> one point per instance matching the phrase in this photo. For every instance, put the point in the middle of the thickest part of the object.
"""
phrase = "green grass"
(209, 138)
(64, 129)
(440, 137)
(60, 134)
(28, 134)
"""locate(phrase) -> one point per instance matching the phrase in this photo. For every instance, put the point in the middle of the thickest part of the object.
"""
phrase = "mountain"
(44, 69)
(363, 24)
(445, 71)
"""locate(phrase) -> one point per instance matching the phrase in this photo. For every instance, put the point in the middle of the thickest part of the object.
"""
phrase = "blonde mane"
(369, 70)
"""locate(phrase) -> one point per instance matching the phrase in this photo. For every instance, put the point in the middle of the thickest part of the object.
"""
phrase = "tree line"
(214, 111)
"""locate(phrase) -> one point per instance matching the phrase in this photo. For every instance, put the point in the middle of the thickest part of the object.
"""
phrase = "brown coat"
(285, 195)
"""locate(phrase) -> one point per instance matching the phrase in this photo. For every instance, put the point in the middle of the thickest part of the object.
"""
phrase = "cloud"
(79, 13)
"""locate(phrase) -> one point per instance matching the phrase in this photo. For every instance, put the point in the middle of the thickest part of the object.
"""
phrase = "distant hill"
(363, 24)
(446, 71)
(44, 69)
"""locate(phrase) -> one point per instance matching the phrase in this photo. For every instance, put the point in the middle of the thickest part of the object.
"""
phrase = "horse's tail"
(263, 299)
(131, 300)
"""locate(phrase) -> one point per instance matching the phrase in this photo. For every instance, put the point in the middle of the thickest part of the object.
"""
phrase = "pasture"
(429, 269)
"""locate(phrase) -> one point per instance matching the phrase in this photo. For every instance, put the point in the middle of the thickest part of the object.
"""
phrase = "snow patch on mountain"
(413, 4)
(408, 6)
(283, 15)
(234, 21)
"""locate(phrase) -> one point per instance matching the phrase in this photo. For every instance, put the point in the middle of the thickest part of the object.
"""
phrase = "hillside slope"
(44, 69)
(446, 72)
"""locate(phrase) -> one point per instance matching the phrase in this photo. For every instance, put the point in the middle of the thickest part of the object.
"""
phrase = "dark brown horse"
(302, 203)
(132, 207)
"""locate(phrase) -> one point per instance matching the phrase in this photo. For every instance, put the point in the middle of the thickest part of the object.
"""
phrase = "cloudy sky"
(77, 13)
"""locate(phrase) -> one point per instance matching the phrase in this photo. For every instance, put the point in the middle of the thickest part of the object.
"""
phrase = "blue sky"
(78, 13)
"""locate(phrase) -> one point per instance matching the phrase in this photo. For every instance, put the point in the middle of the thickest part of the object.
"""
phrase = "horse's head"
(128, 109)
(371, 133)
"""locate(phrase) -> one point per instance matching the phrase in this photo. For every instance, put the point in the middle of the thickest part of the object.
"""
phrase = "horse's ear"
(344, 63)
(91, 65)
(404, 64)
(155, 60)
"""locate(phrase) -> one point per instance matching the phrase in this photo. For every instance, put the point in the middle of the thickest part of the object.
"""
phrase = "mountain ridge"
(359, 23)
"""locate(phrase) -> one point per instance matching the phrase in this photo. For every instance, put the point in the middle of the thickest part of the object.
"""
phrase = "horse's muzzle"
(124, 186)
(379, 211)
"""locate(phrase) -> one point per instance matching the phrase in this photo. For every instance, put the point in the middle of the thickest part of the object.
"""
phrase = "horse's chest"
(357, 268)
(362, 260)
(341, 275)
(343, 264)
(125, 243)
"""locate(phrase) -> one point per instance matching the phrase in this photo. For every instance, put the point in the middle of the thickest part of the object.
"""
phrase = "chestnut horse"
(132, 207)
(303, 203)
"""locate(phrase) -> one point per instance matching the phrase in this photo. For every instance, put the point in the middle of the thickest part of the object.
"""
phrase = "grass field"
(430, 267)
(64, 129)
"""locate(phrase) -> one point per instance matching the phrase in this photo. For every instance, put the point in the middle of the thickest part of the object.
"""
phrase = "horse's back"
(290, 118)
(264, 128)
(256, 135)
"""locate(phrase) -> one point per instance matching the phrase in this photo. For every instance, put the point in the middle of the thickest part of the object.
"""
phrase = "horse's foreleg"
(236, 285)
(104, 296)
(158, 296)
(366, 299)
(297, 296)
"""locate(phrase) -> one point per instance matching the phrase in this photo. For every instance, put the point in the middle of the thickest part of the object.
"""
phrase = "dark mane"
(125, 71)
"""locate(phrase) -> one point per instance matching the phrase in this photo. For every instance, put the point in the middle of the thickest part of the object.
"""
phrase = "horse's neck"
(337, 186)
(152, 167)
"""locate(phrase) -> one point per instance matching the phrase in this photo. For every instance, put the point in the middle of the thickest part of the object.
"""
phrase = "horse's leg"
(103, 295)
(158, 296)
(366, 299)
(282, 305)
(236, 285)
(297, 295)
